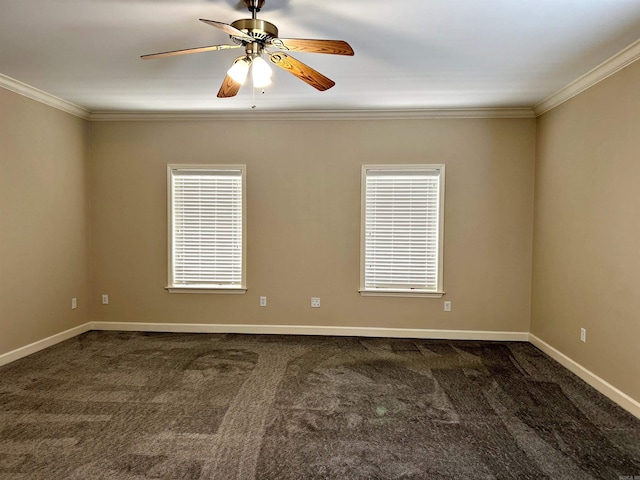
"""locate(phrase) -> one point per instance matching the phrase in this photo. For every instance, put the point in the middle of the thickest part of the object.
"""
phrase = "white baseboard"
(261, 329)
(619, 397)
(604, 387)
(42, 344)
(312, 330)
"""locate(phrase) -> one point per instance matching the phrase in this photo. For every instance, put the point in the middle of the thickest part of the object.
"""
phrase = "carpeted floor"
(111, 405)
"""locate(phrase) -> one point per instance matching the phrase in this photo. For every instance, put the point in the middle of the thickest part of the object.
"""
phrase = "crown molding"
(374, 114)
(607, 68)
(380, 114)
(243, 115)
(43, 97)
(401, 114)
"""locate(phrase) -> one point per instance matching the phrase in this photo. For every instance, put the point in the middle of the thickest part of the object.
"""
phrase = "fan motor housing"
(261, 30)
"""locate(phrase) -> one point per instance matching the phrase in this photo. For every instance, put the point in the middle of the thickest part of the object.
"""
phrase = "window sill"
(400, 293)
(226, 291)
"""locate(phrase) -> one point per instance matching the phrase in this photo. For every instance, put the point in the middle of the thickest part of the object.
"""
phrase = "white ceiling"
(409, 54)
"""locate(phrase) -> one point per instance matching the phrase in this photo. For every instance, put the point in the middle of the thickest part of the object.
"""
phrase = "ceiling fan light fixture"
(261, 72)
(256, 36)
(239, 70)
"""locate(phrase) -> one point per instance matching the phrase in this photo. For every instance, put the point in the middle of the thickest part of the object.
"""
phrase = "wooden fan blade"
(229, 88)
(188, 50)
(233, 31)
(331, 47)
(302, 71)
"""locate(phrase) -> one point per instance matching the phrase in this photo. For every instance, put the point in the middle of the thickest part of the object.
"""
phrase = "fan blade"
(188, 50)
(332, 47)
(302, 71)
(229, 88)
(233, 31)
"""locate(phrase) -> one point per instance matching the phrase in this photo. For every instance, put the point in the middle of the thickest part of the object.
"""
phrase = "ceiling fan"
(257, 37)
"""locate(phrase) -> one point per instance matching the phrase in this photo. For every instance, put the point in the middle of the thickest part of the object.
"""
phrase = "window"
(206, 228)
(402, 230)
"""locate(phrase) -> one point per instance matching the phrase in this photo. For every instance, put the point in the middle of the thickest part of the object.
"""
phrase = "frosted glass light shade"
(261, 72)
(239, 71)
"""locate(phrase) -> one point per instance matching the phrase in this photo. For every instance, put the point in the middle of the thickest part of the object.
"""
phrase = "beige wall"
(44, 226)
(303, 194)
(587, 229)
(304, 222)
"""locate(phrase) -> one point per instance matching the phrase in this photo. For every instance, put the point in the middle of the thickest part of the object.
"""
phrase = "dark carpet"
(111, 405)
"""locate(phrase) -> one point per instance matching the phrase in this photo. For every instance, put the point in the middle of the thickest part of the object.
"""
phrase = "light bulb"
(239, 71)
(261, 72)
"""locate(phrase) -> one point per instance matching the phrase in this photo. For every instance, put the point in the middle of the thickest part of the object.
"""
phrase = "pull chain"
(253, 94)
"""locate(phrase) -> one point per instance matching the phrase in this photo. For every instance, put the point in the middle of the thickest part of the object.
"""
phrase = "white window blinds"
(402, 225)
(207, 244)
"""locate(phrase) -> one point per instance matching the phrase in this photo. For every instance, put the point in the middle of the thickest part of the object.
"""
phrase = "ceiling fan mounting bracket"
(254, 6)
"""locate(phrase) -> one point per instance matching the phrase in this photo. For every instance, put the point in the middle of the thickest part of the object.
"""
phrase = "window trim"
(392, 292)
(171, 287)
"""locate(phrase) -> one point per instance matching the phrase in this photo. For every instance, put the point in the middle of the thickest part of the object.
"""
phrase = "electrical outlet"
(263, 301)
(447, 305)
(315, 302)
(74, 303)
(583, 334)
(105, 299)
